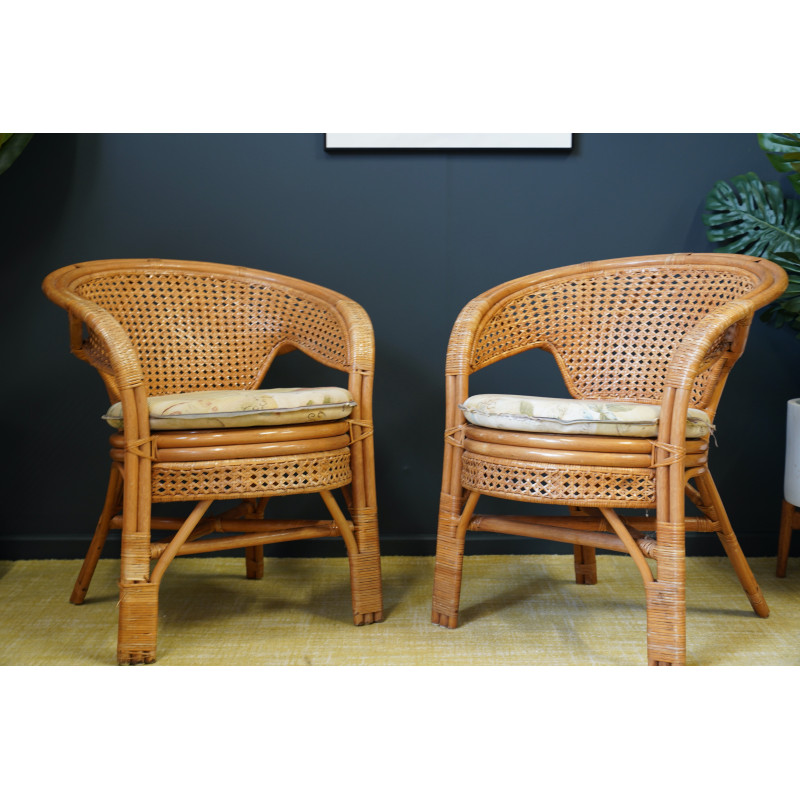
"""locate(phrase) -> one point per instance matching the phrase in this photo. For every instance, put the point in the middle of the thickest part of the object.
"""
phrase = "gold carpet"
(515, 610)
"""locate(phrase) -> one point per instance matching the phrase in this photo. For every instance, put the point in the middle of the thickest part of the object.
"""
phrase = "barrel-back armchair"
(644, 346)
(182, 348)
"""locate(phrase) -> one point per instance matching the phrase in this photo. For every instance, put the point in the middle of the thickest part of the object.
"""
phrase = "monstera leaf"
(783, 152)
(11, 145)
(786, 309)
(752, 217)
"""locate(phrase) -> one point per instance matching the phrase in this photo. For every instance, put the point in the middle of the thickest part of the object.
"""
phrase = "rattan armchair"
(650, 331)
(153, 328)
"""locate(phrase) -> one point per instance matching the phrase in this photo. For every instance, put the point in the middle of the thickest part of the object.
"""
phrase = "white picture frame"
(447, 141)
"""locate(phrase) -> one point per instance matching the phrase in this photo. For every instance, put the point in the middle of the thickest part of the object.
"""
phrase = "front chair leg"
(666, 598)
(138, 623)
(666, 623)
(365, 569)
(450, 558)
(364, 557)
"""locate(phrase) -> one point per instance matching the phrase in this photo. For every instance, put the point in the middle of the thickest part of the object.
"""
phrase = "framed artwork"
(447, 141)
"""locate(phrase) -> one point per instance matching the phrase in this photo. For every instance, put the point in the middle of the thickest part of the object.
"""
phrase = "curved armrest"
(122, 359)
(719, 335)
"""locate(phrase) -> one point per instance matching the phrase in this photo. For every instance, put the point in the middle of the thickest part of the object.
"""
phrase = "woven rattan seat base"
(550, 483)
(257, 477)
(537, 468)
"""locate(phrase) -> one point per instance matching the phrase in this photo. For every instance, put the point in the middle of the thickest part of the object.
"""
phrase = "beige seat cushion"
(514, 412)
(242, 409)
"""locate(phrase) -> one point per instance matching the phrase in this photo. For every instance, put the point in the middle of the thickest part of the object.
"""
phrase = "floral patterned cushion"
(556, 415)
(242, 409)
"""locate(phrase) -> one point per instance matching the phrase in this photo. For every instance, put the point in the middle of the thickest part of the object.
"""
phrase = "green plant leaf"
(752, 217)
(783, 152)
(11, 145)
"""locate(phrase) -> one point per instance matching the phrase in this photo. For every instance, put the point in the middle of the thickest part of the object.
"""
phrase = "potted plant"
(755, 217)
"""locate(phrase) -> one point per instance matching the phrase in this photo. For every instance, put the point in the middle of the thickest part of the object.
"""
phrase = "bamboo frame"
(154, 327)
(662, 329)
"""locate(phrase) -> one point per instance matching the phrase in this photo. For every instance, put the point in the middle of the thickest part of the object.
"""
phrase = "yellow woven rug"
(516, 610)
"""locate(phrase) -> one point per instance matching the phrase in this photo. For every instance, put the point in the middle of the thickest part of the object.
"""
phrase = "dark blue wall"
(411, 236)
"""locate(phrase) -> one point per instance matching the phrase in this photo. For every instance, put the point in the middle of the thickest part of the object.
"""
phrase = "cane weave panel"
(251, 477)
(197, 331)
(551, 483)
(613, 331)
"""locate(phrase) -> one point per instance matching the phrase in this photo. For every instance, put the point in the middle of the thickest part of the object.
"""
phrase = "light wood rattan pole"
(449, 565)
(785, 537)
(341, 523)
(253, 555)
(711, 497)
(562, 532)
(666, 597)
(621, 530)
(165, 559)
(584, 557)
(452, 510)
(364, 553)
(113, 498)
(135, 552)
(321, 530)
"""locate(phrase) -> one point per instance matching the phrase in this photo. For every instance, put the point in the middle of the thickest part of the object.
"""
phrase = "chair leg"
(666, 622)
(254, 561)
(785, 537)
(450, 558)
(708, 491)
(585, 565)
(138, 623)
(585, 560)
(112, 501)
(365, 568)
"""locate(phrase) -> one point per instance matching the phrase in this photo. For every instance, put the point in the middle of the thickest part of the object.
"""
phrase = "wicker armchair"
(648, 331)
(153, 328)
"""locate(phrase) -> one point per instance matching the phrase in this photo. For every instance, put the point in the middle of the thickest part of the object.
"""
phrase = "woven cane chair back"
(194, 330)
(612, 327)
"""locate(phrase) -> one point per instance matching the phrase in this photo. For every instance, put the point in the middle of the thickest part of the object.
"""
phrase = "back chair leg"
(708, 491)
(585, 559)
(254, 561)
(112, 502)
(585, 565)
(788, 514)
(254, 556)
